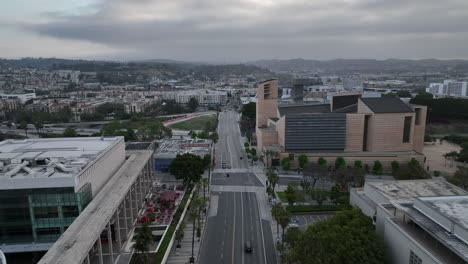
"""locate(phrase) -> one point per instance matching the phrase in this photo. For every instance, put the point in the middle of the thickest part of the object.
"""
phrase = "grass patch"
(316, 208)
(198, 123)
(158, 257)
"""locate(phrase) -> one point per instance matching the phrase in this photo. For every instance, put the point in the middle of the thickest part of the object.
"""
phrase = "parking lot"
(304, 220)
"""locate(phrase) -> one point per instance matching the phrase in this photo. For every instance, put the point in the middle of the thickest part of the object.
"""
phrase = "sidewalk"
(182, 255)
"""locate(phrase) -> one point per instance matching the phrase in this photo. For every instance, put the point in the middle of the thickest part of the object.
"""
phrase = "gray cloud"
(251, 29)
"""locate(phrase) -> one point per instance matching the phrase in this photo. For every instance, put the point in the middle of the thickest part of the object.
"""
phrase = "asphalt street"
(235, 216)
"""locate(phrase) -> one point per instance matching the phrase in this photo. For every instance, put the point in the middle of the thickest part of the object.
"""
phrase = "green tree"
(460, 178)
(246, 145)
(357, 164)
(69, 132)
(192, 104)
(292, 235)
(319, 196)
(284, 220)
(38, 125)
(249, 110)
(23, 125)
(143, 239)
(188, 168)
(214, 137)
(340, 163)
(378, 168)
(286, 163)
(303, 161)
(322, 163)
(291, 194)
(335, 240)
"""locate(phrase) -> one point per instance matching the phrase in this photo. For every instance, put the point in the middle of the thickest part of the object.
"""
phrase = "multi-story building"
(420, 221)
(203, 96)
(23, 97)
(449, 88)
(353, 84)
(351, 127)
(46, 183)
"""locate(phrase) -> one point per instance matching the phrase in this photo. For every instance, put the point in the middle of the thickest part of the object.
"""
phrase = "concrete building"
(204, 96)
(46, 183)
(23, 97)
(168, 149)
(449, 88)
(353, 84)
(420, 221)
(350, 126)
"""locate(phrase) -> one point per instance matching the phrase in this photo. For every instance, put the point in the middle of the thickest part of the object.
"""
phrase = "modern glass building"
(39, 215)
(46, 183)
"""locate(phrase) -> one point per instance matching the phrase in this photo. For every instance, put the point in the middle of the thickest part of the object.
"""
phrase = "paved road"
(235, 213)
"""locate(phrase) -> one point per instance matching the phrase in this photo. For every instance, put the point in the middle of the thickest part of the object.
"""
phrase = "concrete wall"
(103, 168)
(399, 245)
(281, 128)
(386, 132)
(354, 132)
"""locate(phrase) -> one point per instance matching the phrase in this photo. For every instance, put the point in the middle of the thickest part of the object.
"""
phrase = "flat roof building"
(168, 150)
(46, 183)
(420, 221)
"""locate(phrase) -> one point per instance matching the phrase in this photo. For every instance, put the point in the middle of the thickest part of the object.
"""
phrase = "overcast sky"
(234, 30)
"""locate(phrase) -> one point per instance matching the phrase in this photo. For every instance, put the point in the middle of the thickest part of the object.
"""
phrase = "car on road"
(248, 246)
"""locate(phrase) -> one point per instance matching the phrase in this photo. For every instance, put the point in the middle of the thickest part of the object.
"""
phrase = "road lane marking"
(234, 231)
(242, 225)
(261, 230)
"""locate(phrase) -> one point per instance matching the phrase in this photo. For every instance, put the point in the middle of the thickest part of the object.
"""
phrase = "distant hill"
(363, 65)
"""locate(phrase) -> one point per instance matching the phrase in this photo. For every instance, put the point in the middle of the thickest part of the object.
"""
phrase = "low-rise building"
(168, 150)
(420, 221)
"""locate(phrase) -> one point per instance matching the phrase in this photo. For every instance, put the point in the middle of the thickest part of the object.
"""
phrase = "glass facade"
(39, 215)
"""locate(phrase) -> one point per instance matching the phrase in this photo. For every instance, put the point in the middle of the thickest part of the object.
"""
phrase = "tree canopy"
(188, 168)
(192, 104)
(346, 237)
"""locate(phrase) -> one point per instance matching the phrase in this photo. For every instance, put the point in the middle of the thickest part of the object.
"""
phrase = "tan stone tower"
(267, 101)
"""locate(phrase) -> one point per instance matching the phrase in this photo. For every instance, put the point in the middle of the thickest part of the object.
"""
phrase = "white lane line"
(261, 230)
(229, 149)
(242, 226)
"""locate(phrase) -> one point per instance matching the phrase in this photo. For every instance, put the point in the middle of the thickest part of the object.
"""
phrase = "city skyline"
(241, 31)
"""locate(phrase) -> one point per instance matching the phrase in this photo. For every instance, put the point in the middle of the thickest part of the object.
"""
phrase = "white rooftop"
(453, 207)
(407, 190)
(29, 163)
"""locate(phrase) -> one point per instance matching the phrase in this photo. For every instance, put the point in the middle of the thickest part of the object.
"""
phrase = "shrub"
(436, 173)
(340, 163)
(378, 168)
(358, 164)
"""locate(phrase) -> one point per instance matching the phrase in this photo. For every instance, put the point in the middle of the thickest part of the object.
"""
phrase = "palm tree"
(179, 235)
(284, 220)
(272, 178)
(205, 184)
(276, 211)
(143, 239)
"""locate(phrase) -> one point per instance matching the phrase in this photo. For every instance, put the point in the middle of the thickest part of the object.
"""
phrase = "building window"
(70, 211)
(418, 116)
(46, 212)
(407, 129)
(366, 132)
(414, 259)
